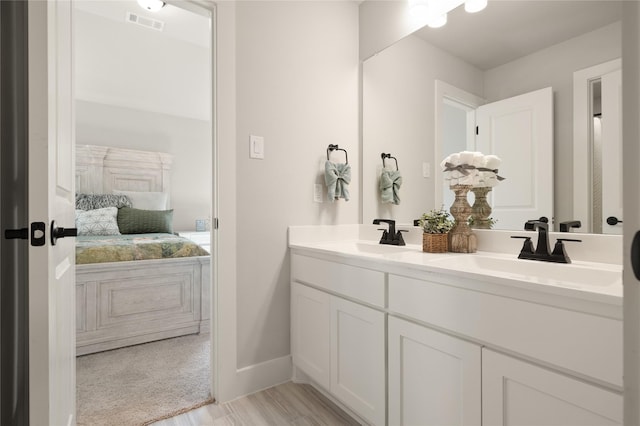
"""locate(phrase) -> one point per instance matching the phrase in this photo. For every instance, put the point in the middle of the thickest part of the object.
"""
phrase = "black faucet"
(542, 251)
(391, 236)
(566, 226)
(542, 248)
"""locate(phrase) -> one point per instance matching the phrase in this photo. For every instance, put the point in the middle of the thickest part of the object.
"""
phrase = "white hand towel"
(493, 161)
(478, 159)
(466, 157)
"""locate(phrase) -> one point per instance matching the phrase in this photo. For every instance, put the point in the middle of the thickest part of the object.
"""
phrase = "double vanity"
(401, 337)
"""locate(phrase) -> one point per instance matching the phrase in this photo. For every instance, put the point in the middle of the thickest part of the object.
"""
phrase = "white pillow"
(146, 200)
(97, 222)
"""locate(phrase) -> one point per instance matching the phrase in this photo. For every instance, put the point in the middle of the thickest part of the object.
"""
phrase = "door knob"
(635, 255)
(612, 220)
(61, 232)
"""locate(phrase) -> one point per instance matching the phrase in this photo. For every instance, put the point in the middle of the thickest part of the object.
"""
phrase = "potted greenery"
(481, 224)
(435, 226)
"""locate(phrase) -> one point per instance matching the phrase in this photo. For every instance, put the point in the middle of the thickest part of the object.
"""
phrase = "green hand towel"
(337, 177)
(390, 182)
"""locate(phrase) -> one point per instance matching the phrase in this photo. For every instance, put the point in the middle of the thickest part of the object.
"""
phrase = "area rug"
(138, 384)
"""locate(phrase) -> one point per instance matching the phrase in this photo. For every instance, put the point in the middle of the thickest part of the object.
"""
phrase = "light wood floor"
(286, 404)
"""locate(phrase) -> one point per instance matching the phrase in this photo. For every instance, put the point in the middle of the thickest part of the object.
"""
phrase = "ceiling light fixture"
(434, 12)
(151, 5)
(437, 21)
(473, 6)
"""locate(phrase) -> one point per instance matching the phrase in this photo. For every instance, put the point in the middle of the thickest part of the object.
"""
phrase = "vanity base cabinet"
(515, 392)
(338, 333)
(310, 332)
(434, 378)
(358, 358)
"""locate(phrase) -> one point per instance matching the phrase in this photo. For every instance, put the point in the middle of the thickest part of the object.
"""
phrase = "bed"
(141, 287)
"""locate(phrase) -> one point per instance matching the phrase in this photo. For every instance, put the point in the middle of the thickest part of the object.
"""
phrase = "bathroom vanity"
(402, 337)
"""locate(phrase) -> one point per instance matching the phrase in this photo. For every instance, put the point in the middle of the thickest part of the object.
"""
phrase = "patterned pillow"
(84, 201)
(97, 222)
(110, 200)
(99, 201)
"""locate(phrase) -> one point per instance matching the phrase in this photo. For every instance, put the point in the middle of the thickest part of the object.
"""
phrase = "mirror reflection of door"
(456, 136)
(519, 130)
(597, 144)
(610, 147)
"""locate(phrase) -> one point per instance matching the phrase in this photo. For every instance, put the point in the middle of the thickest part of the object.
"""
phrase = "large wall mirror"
(423, 94)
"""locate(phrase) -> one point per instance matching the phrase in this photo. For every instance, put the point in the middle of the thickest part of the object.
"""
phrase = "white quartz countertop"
(587, 282)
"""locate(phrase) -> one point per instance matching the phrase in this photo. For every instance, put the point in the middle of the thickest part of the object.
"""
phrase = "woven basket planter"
(435, 243)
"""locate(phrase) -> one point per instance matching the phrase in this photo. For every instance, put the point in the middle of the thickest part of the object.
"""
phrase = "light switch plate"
(256, 147)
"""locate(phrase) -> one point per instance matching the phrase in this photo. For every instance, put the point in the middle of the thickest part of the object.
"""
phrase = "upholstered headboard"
(101, 169)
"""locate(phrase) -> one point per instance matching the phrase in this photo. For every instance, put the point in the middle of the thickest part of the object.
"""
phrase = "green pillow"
(136, 221)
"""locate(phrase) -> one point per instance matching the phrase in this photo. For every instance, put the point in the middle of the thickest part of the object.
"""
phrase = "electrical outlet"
(426, 170)
(317, 193)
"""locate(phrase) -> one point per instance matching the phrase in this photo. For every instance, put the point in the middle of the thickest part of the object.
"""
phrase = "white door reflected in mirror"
(519, 130)
(611, 132)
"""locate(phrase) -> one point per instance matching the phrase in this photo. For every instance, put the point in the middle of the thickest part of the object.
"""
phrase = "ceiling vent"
(154, 24)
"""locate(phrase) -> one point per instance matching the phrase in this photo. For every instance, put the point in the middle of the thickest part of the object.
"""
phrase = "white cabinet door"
(434, 379)
(515, 392)
(358, 359)
(310, 321)
(519, 130)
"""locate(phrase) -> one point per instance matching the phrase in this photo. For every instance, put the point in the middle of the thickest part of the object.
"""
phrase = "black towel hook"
(383, 155)
(333, 147)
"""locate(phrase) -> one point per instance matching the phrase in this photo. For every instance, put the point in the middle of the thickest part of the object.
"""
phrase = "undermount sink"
(362, 247)
(582, 275)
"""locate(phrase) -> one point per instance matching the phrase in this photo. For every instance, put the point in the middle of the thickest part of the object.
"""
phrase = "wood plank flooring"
(285, 404)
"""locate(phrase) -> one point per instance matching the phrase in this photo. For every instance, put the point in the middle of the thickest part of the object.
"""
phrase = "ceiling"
(179, 23)
(510, 29)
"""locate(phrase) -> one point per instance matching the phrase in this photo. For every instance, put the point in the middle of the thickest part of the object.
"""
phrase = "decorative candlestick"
(481, 210)
(461, 238)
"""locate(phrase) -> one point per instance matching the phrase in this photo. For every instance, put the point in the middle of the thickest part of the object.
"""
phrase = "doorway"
(143, 82)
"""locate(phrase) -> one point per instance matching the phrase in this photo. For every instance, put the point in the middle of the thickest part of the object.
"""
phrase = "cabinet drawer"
(575, 341)
(360, 284)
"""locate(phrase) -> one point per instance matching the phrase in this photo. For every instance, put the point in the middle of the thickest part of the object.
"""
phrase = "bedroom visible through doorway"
(144, 142)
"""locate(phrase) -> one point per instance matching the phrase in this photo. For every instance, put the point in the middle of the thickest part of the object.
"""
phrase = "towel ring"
(333, 147)
(383, 155)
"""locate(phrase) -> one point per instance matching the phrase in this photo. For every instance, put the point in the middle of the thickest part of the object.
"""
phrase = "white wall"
(554, 66)
(188, 140)
(297, 86)
(399, 117)
(383, 23)
(142, 89)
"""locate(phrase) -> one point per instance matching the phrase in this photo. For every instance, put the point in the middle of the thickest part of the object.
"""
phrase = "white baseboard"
(261, 376)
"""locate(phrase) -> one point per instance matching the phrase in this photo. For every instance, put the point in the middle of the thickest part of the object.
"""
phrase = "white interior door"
(51, 198)
(519, 130)
(611, 134)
